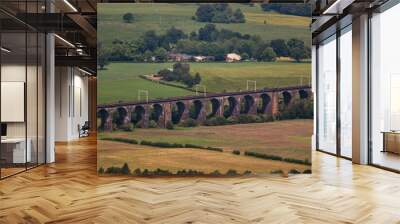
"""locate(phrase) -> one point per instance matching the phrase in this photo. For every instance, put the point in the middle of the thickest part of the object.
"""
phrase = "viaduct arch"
(199, 108)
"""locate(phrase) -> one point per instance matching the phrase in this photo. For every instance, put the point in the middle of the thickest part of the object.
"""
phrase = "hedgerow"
(124, 140)
(278, 158)
(236, 152)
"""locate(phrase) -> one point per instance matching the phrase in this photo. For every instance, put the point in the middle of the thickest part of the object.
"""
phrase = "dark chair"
(84, 130)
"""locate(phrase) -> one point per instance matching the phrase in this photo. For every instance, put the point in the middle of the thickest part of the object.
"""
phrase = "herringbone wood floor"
(70, 191)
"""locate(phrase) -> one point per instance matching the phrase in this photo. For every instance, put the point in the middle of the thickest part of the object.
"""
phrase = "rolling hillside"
(161, 17)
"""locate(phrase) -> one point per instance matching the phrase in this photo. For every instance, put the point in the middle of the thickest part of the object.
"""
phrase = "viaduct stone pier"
(199, 108)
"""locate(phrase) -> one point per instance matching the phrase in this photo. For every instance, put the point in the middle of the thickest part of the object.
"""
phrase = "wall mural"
(216, 89)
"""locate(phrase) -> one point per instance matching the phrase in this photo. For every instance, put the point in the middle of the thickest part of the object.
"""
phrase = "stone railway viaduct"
(265, 101)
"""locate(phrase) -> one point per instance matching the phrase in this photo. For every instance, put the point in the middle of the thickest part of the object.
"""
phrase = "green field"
(161, 17)
(121, 81)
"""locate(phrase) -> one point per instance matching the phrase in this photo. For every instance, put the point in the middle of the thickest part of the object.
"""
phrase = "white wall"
(71, 103)
(17, 73)
(12, 73)
(33, 126)
(61, 103)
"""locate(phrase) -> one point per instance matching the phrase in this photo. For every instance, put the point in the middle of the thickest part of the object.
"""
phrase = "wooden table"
(391, 141)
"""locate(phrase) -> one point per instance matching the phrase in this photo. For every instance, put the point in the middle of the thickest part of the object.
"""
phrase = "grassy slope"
(289, 139)
(161, 17)
(233, 76)
(122, 78)
(121, 82)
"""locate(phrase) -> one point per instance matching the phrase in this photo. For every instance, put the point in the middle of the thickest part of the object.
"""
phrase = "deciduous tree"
(128, 17)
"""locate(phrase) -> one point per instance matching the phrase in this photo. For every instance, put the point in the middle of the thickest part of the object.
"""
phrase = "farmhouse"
(200, 58)
(232, 57)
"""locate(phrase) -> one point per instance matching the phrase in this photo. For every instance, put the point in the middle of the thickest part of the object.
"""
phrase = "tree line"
(207, 41)
(218, 13)
(290, 9)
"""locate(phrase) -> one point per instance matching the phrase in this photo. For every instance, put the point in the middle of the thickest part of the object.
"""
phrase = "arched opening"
(287, 97)
(246, 104)
(177, 111)
(195, 109)
(119, 116)
(156, 112)
(230, 107)
(262, 106)
(137, 114)
(102, 116)
(215, 104)
(303, 94)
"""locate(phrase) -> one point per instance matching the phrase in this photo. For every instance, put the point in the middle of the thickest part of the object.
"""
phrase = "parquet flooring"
(70, 191)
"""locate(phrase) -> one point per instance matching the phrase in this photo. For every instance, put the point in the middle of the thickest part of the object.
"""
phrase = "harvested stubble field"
(288, 139)
(174, 159)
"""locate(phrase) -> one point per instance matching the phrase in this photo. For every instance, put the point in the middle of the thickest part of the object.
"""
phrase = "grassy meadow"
(160, 17)
(121, 81)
